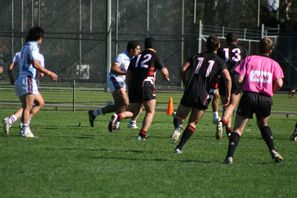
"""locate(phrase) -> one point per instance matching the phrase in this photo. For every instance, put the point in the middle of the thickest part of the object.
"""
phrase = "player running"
(141, 87)
(38, 103)
(117, 85)
(232, 53)
(203, 68)
(25, 84)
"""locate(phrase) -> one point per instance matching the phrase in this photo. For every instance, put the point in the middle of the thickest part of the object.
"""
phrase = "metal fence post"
(108, 39)
(262, 31)
(73, 96)
(12, 27)
(200, 37)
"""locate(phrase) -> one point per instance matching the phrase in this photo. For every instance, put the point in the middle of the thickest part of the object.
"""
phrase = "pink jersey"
(259, 73)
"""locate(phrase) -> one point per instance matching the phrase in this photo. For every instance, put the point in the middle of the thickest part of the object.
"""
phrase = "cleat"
(142, 138)
(178, 151)
(175, 136)
(219, 130)
(294, 136)
(6, 125)
(276, 156)
(113, 122)
(91, 118)
(132, 125)
(228, 160)
(27, 133)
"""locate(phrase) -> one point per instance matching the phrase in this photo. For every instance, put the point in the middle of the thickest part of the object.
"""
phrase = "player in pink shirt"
(260, 77)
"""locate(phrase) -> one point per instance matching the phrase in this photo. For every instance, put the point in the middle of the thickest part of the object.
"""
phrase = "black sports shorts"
(257, 103)
(142, 93)
(188, 101)
(235, 86)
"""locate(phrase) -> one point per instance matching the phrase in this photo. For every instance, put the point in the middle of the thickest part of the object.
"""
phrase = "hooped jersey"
(203, 70)
(144, 66)
(232, 54)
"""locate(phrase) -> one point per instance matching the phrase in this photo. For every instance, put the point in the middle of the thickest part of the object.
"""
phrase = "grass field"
(70, 159)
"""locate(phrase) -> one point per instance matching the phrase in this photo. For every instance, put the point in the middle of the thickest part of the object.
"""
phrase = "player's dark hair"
(148, 43)
(212, 43)
(265, 45)
(132, 45)
(34, 34)
(231, 37)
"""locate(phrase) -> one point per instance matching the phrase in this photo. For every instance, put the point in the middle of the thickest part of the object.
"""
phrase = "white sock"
(12, 119)
(25, 127)
(215, 115)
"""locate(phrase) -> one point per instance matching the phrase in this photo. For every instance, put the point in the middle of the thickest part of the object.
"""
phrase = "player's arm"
(183, 70)
(10, 74)
(277, 84)
(165, 73)
(115, 67)
(38, 66)
(228, 84)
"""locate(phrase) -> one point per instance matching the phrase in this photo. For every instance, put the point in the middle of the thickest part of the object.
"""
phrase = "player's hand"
(166, 76)
(226, 101)
(291, 93)
(53, 76)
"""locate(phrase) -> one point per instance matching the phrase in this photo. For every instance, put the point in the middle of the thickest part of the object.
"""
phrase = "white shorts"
(115, 83)
(25, 85)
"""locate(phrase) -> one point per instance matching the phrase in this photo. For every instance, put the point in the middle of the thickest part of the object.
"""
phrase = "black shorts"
(251, 103)
(235, 86)
(142, 93)
(189, 102)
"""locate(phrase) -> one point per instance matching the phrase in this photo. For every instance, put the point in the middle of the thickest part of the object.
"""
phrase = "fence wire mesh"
(75, 42)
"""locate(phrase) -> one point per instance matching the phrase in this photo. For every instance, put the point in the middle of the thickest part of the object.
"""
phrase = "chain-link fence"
(75, 44)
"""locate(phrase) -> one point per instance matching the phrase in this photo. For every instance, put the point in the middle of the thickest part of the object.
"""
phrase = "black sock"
(267, 136)
(188, 132)
(233, 142)
(296, 126)
(177, 122)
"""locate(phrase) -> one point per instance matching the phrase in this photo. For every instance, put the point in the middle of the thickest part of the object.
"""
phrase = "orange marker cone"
(170, 108)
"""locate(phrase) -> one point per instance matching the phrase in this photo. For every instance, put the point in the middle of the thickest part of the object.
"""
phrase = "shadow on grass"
(153, 159)
(174, 157)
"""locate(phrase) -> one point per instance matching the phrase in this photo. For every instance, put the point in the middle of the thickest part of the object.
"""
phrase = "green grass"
(70, 159)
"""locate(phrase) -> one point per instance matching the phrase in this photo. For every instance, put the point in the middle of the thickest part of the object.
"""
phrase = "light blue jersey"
(29, 53)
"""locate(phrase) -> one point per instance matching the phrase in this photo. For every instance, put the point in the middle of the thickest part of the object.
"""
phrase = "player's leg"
(149, 106)
(38, 104)
(194, 118)
(132, 123)
(27, 103)
(263, 114)
(228, 113)
(215, 107)
(181, 113)
(240, 123)
(132, 110)
(114, 86)
(245, 111)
